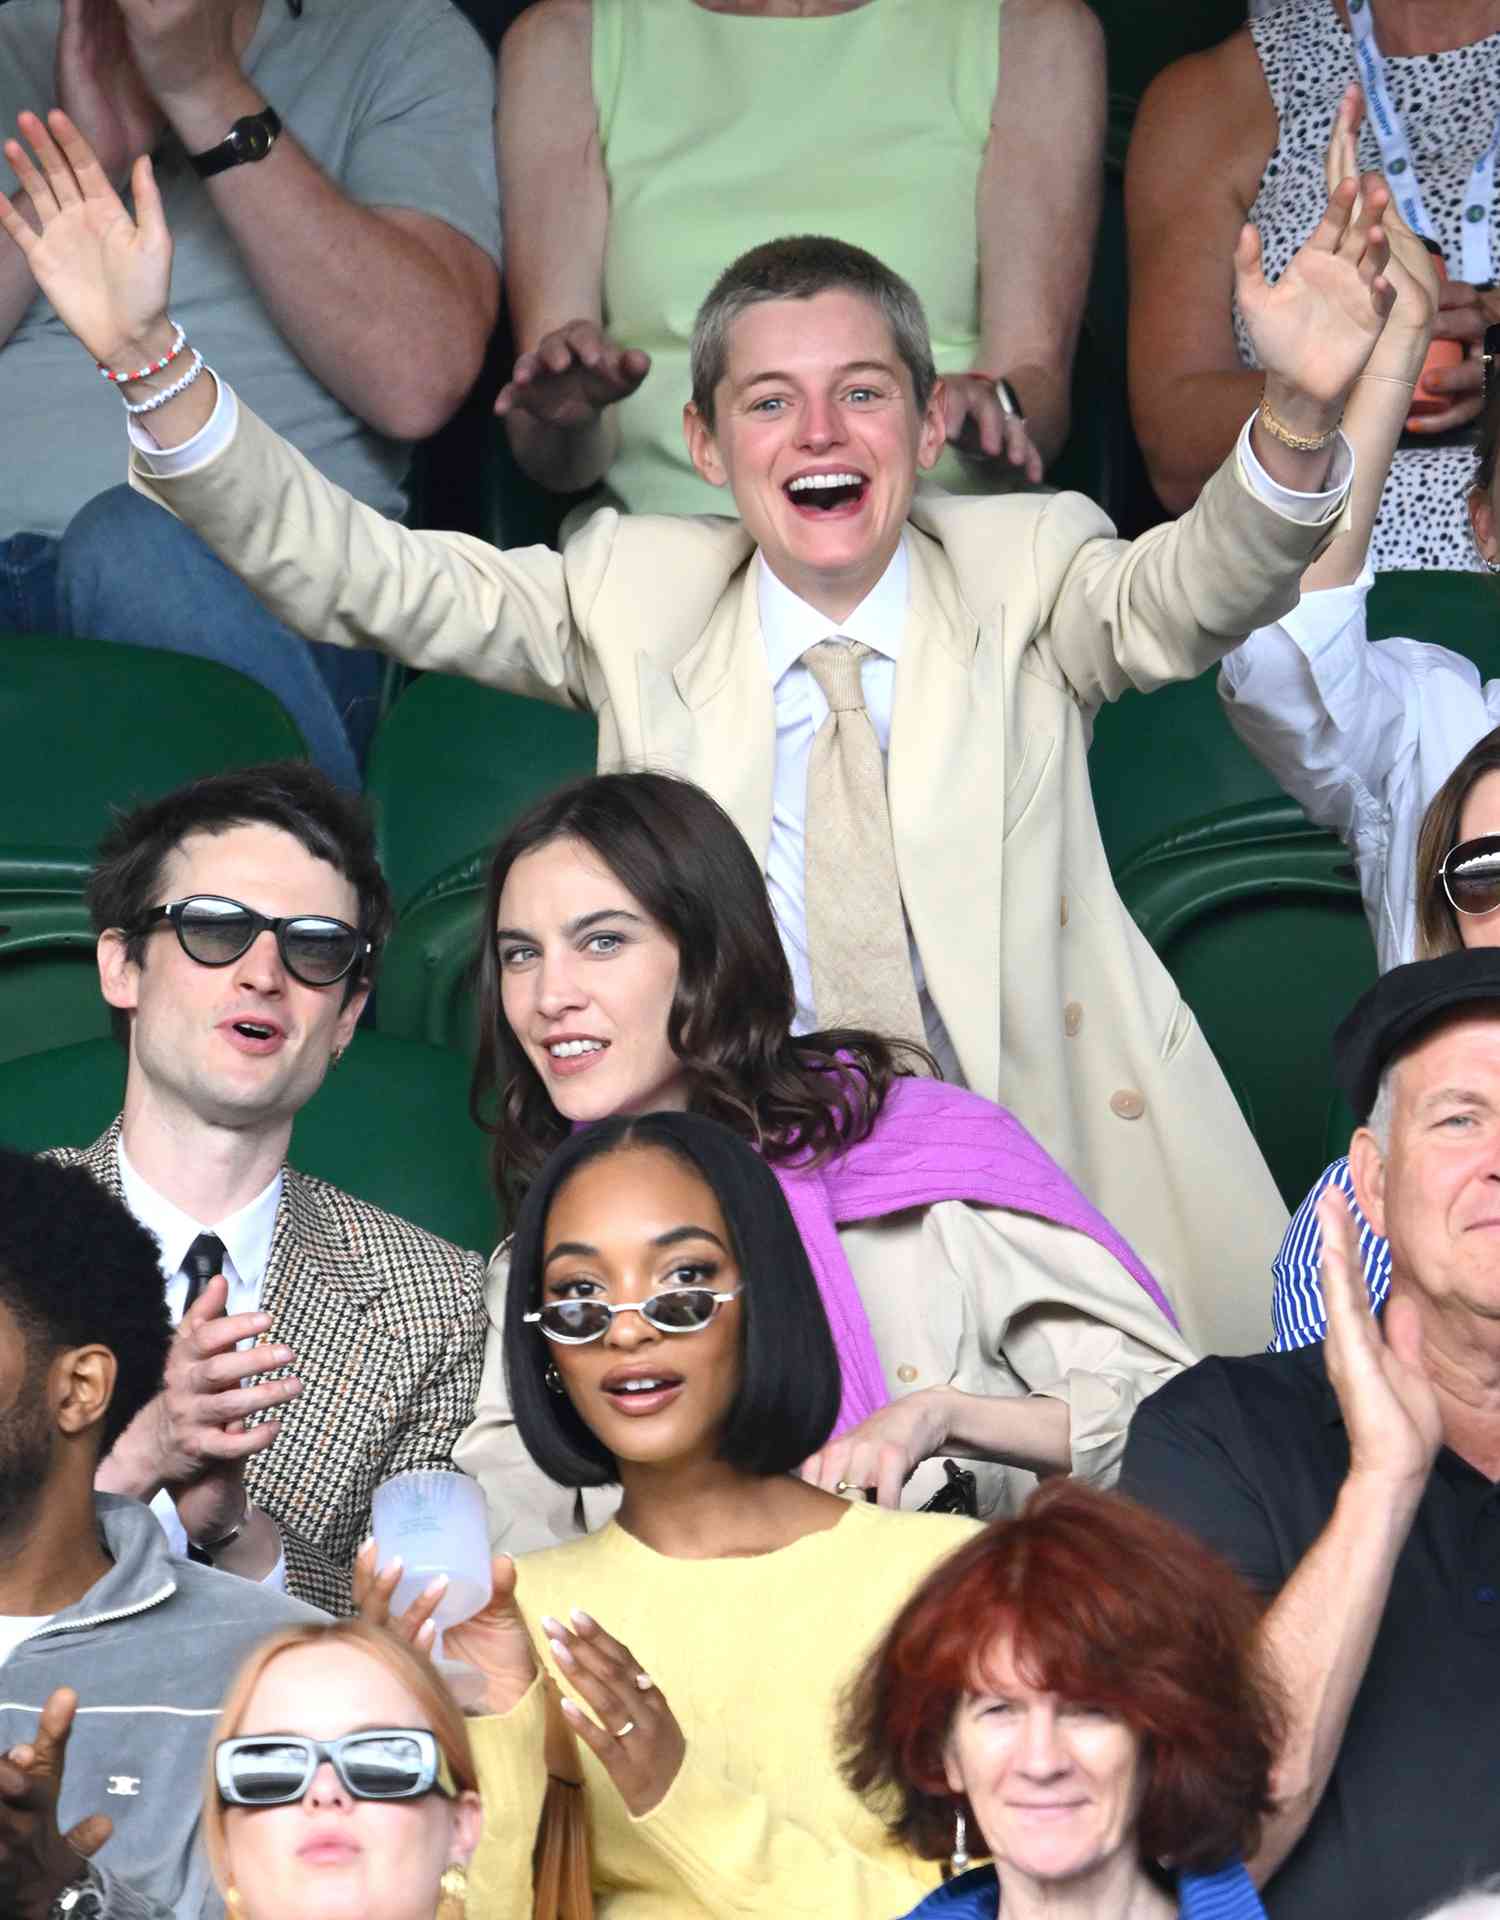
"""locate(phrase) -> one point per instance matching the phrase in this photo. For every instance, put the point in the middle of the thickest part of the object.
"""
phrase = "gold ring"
(629, 1727)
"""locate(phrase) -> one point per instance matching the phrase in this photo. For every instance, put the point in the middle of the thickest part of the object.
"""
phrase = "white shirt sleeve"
(1308, 508)
(168, 463)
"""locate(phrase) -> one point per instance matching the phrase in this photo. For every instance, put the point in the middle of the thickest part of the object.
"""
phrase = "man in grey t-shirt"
(348, 274)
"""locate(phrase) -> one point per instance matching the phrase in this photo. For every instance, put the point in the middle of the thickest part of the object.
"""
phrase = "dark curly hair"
(76, 1270)
(730, 1024)
(1104, 1602)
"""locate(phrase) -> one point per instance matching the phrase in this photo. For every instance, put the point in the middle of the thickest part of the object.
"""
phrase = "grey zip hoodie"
(150, 1650)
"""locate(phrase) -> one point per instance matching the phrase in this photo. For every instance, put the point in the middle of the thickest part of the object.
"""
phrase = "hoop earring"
(453, 1892)
(958, 1860)
(553, 1378)
(1491, 564)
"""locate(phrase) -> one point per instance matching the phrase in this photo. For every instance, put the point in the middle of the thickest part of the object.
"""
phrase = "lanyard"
(1401, 173)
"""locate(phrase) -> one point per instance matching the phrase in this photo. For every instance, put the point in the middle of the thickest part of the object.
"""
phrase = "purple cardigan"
(931, 1142)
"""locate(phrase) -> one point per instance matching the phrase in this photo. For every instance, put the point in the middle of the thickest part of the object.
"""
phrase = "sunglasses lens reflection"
(683, 1310)
(1471, 874)
(269, 1773)
(319, 951)
(386, 1766)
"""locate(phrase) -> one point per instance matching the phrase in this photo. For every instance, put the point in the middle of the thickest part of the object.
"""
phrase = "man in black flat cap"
(1355, 1484)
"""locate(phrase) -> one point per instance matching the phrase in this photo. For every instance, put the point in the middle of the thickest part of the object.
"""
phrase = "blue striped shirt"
(1228, 1894)
(1297, 1313)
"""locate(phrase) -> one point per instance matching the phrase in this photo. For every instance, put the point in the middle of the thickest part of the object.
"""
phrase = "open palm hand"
(1315, 328)
(106, 274)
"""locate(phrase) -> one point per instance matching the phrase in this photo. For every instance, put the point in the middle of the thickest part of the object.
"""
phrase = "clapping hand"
(106, 274)
(636, 1735)
(1390, 1408)
(37, 1860)
(100, 87)
(571, 376)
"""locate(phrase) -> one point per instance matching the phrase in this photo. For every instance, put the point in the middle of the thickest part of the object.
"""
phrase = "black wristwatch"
(81, 1899)
(249, 139)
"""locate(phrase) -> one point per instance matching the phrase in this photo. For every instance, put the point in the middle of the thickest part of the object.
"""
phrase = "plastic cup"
(436, 1523)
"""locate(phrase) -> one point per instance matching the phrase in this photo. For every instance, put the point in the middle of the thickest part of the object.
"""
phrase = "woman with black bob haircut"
(664, 1331)
(788, 1394)
(980, 1307)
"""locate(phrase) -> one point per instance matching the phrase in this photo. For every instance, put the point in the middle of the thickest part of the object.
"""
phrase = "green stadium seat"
(453, 763)
(390, 1125)
(1456, 610)
(1163, 759)
(49, 984)
(1259, 920)
(427, 976)
(89, 726)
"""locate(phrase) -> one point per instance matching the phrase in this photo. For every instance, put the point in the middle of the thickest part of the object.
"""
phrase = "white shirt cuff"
(1320, 617)
(1310, 509)
(167, 463)
(276, 1578)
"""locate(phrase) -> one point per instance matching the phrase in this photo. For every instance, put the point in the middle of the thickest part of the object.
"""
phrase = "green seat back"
(453, 763)
(1161, 760)
(1259, 921)
(427, 976)
(88, 726)
(1456, 610)
(390, 1125)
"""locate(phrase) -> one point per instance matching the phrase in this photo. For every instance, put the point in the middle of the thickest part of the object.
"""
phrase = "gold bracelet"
(1298, 442)
(1390, 380)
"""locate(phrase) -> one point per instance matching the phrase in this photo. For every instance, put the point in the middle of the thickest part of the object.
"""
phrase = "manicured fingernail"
(397, 1565)
(438, 1584)
(573, 1713)
(580, 1618)
(554, 1628)
(365, 1546)
(560, 1653)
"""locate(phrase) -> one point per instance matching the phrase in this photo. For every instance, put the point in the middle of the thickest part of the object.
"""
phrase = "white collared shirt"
(247, 1249)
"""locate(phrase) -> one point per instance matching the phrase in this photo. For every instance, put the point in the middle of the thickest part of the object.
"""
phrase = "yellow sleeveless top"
(722, 130)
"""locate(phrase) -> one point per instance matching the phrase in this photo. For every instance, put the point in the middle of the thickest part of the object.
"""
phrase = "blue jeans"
(128, 571)
(28, 584)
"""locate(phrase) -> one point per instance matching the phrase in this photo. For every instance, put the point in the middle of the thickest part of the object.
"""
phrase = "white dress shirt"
(247, 1248)
(1362, 734)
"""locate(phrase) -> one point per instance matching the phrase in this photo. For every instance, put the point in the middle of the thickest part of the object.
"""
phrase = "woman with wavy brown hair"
(981, 1307)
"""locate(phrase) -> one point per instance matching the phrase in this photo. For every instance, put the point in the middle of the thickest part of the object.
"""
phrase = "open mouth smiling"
(816, 494)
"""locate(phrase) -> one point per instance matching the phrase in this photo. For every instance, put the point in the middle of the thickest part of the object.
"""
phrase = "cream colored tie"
(856, 930)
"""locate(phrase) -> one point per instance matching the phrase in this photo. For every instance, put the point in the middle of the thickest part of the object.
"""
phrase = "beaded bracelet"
(179, 341)
(167, 393)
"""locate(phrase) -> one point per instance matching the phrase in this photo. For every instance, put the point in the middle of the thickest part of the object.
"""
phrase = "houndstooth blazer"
(387, 1324)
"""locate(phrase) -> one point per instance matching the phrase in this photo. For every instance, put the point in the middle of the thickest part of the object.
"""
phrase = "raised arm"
(556, 404)
(1202, 137)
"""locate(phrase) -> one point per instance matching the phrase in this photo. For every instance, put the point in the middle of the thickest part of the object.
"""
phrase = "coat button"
(1072, 1018)
(1127, 1103)
(906, 1373)
(1062, 912)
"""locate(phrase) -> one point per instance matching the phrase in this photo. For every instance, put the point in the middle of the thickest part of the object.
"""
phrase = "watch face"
(252, 139)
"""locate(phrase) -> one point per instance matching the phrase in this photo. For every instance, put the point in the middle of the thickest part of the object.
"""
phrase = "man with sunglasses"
(1356, 1483)
(115, 1655)
(240, 921)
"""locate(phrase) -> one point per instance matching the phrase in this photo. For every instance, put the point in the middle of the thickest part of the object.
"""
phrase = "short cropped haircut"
(78, 1270)
(790, 1386)
(1105, 1603)
(412, 1669)
(801, 267)
(330, 824)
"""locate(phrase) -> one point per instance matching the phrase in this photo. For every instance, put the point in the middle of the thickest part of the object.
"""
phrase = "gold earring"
(335, 1057)
(453, 1889)
(233, 1899)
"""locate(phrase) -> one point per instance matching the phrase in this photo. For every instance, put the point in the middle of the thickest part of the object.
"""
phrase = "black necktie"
(204, 1258)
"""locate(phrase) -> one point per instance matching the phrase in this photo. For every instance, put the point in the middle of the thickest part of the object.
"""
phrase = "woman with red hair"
(1077, 1694)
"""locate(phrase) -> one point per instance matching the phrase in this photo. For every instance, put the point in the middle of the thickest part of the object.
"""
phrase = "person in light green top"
(644, 142)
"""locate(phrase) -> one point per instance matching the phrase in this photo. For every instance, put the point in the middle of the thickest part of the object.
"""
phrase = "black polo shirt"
(1249, 1455)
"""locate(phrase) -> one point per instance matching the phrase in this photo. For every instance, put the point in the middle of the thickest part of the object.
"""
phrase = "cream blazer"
(979, 1298)
(1026, 613)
